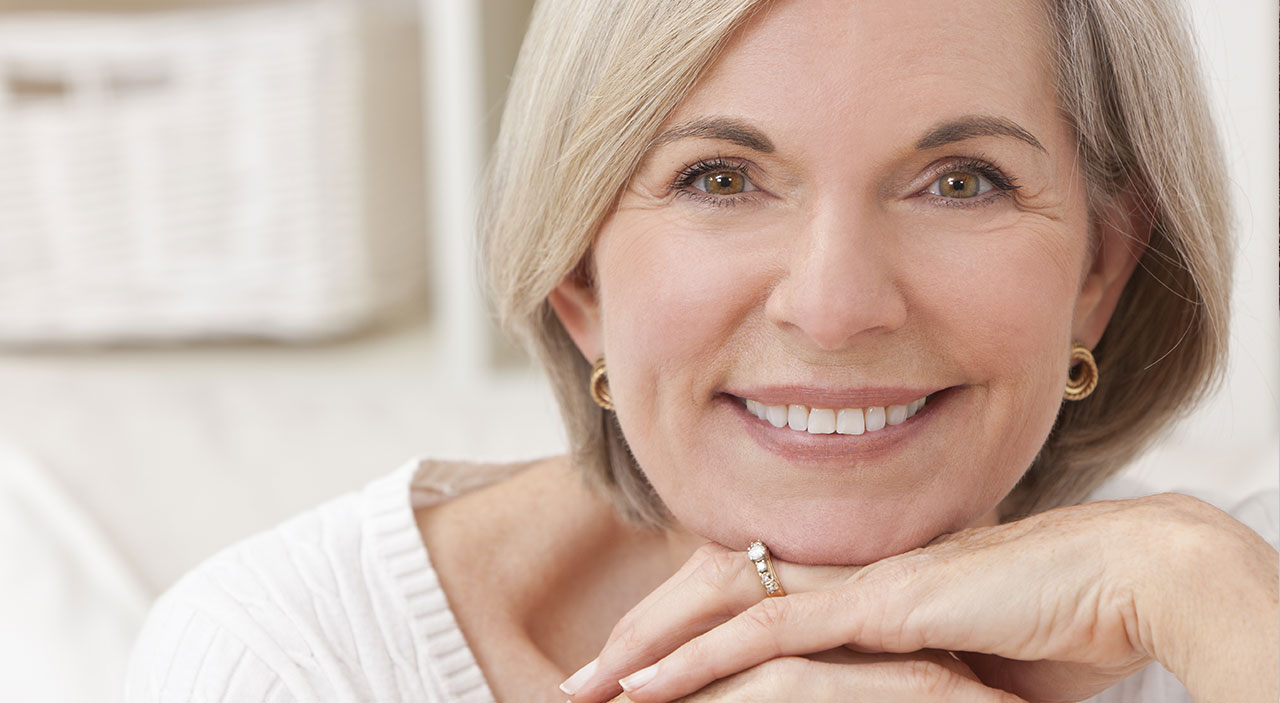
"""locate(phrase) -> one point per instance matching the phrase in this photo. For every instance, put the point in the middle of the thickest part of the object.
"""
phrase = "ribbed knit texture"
(338, 604)
(342, 605)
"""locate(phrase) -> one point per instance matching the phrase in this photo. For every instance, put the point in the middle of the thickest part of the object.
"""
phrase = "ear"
(578, 308)
(1123, 230)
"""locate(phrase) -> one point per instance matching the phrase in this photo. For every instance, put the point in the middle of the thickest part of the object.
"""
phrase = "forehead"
(882, 69)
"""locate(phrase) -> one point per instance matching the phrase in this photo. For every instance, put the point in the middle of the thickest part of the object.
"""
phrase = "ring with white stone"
(759, 555)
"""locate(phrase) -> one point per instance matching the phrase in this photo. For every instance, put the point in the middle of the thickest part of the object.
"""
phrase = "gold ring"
(758, 554)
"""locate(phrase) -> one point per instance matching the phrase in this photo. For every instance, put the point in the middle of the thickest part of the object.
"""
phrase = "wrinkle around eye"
(1053, 205)
(641, 189)
(1041, 195)
(1057, 249)
(1051, 234)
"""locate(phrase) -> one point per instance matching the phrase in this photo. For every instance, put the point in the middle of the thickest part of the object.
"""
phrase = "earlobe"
(575, 303)
(1123, 229)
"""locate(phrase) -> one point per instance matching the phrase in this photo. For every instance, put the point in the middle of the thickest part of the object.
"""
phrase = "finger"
(902, 604)
(843, 655)
(710, 589)
(1044, 679)
(911, 680)
(923, 678)
(799, 624)
(708, 576)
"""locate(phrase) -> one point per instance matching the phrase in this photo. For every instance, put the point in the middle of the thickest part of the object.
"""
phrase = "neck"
(543, 568)
(594, 569)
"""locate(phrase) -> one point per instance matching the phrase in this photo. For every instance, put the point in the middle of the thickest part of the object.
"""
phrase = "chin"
(844, 534)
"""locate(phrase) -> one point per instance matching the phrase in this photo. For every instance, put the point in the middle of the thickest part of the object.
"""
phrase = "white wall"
(1229, 445)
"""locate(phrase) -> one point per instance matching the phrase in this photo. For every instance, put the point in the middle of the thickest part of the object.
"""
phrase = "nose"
(840, 283)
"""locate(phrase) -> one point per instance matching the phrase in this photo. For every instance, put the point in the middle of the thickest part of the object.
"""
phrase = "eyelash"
(1002, 185)
(682, 186)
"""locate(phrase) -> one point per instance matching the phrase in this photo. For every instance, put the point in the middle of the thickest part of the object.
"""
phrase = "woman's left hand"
(1058, 606)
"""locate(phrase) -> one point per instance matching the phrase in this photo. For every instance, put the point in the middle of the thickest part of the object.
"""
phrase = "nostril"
(829, 322)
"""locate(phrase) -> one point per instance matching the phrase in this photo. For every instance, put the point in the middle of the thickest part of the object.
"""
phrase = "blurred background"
(236, 280)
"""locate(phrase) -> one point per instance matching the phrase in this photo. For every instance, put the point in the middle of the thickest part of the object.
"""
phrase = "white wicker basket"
(183, 174)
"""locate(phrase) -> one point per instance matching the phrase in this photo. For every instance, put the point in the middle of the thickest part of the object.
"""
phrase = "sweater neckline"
(449, 667)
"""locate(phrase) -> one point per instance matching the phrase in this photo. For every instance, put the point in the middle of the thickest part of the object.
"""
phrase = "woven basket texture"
(182, 174)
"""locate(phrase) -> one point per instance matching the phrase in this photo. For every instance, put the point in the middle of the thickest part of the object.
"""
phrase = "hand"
(1069, 601)
(833, 676)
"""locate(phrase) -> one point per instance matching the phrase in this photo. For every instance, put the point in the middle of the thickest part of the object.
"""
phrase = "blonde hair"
(595, 80)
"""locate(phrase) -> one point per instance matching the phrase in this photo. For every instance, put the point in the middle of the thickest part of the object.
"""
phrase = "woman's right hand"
(928, 676)
(1056, 606)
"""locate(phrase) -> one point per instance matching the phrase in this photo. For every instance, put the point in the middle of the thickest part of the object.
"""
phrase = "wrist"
(1206, 605)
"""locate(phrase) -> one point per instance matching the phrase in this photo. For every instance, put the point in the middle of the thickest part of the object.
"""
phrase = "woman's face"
(861, 205)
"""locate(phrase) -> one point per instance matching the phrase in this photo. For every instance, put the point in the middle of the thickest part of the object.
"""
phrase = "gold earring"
(600, 385)
(1079, 387)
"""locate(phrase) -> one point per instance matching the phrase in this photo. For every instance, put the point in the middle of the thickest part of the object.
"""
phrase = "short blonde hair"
(595, 80)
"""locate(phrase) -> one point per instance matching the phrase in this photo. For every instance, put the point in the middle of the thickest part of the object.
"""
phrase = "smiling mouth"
(845, 421)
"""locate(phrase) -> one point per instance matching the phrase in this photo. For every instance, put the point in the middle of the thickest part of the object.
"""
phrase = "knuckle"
(930, 677)
(890, 616)
(767, 681)
(706, 552)
(783, 669)
(626, 647)
(696, 656)
(719, 567)
(722, 566)
(777, 679)
(1178, 507)
(951, 663)
(627, 643)
(621, 629)
(767, 616)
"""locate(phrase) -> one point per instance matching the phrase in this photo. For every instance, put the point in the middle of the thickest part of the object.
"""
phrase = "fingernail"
(638, 679)
(581, 676)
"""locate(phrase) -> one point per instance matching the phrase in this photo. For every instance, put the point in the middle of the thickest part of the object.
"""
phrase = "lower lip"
(798, 445)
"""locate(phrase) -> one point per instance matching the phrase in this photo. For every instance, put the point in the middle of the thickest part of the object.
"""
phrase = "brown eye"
(724, 183)
(960, 184)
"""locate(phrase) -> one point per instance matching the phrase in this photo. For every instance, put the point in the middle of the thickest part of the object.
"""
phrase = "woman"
(818, 274)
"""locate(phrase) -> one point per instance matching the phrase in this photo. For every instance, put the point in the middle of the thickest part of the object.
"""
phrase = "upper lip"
(834, 398)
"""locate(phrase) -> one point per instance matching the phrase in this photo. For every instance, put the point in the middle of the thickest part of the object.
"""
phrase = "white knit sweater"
(338, 604)
(342, 605)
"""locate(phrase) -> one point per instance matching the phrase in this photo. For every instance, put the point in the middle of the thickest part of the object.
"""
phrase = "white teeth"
(846, 421)
(875, 419)
(896, 414)
(797, 417)
(850, 421)
(914, 407)
(822, 421)
(777, 415)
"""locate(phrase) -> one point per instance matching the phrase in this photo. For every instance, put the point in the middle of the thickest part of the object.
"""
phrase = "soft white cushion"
(69, 606)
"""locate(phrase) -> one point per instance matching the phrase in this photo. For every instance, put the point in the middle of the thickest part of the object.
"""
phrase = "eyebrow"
(972, 126)
(722, 128)
(743, 134)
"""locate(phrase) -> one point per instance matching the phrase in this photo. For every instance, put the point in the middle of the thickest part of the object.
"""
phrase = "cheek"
(673, 302)
(1001, 303)
(1004, 295)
